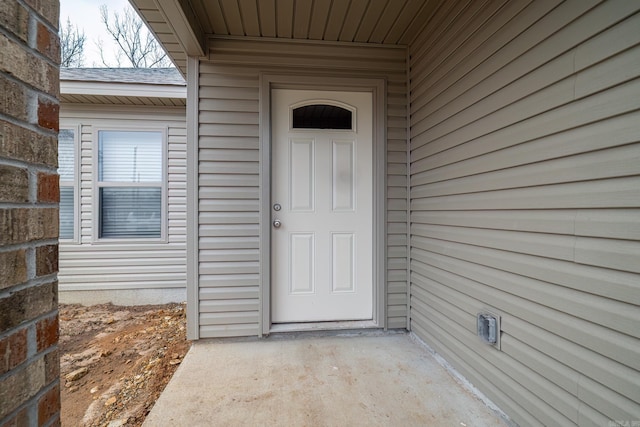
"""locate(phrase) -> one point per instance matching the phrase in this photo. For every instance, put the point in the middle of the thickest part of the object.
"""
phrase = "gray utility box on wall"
(489, 328)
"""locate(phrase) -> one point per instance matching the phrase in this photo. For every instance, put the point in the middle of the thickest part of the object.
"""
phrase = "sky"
(86, 15)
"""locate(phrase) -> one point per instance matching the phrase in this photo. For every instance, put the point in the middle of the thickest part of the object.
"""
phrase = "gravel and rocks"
(115, 361)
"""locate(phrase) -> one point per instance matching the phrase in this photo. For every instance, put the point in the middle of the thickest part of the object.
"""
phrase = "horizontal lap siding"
(89, 265)
(228, 208)
(525, 200)
(229, 215)
(397, 222)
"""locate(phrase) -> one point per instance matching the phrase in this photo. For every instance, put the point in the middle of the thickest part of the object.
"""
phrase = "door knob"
(277, 223)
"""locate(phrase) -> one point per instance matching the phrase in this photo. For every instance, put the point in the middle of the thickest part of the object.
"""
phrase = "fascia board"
(184, 24)
(122, 89)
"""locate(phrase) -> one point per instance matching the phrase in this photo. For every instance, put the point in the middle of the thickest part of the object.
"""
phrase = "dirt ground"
(115, 361)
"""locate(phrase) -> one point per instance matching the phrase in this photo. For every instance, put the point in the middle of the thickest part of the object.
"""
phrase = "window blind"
(66, 155)
(130, 212)
(66, 170)
(66, 212)
(130, 173)
(130, 156)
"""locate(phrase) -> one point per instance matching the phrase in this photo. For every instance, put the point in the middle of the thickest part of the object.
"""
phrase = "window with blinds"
(130, 174)
(67, 172)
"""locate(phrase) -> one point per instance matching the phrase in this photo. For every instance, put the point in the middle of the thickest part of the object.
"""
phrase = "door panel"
(302, 263)
(322, 179)
(301, 167)
(343, 175)
(343, 256)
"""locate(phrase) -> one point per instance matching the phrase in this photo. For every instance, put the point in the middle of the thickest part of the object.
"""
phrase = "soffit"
(122, 86)
(66, 98)
(393, 22)
(388, 22)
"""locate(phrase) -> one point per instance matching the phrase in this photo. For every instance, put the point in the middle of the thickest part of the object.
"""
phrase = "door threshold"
(322, 326)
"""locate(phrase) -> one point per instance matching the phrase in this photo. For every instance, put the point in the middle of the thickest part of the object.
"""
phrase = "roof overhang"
(120, 93)
(175, 26)
(185, 27)
(122, 89)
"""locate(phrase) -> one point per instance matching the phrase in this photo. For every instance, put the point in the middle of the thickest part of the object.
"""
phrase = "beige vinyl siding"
(397, 197)
(94, 265)
(228, 182)
(525, 200)
(228, 243)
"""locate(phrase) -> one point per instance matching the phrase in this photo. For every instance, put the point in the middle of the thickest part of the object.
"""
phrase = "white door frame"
(377, 88)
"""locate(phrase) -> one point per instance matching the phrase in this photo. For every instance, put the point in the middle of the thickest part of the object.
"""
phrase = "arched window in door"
(322, 116)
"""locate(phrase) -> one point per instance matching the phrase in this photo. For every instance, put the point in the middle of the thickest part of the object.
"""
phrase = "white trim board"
(122, 89)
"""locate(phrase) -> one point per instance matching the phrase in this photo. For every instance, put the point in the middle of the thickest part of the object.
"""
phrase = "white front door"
(322, 198)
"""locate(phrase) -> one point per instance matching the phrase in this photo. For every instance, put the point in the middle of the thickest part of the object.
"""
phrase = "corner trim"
(193, 314)
(408, 95)
(264, 120)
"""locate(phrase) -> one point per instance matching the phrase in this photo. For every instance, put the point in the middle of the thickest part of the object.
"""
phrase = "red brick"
(52, 366)
(48, 44)
(29, 88)
(21, 419)
(23, 65)
(46, 260)
(13, 268)
(13, 98)
(21, 306)
(18, 143)
(22, 225)
(48, 114)
(50, 80)
(13, 350)
(49, 10)
(47, 332)
(21, 385)
(15, 18)
(48, 187)
(15, 184)
(49, 405)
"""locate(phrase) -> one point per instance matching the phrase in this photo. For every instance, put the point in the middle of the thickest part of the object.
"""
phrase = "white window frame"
(97, 185)
(75, 182)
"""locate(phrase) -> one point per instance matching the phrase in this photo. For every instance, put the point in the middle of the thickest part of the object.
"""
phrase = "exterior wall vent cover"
(489, 328)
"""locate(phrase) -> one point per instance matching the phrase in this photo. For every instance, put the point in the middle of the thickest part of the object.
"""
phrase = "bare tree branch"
(138, 46)
(108, 64)
(71, 46)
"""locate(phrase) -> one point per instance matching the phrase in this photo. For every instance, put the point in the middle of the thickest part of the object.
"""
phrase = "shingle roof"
(157, 76)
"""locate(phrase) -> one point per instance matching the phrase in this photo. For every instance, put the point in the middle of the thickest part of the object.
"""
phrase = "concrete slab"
(341, 380)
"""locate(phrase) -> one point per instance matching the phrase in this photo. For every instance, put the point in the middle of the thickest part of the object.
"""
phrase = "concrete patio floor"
(309, 380)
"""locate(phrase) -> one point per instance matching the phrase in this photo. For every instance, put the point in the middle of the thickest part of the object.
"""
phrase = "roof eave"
(185, 32)
(122, 89)
(180, 17)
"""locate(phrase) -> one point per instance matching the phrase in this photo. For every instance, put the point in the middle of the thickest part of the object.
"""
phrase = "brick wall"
(29, 195)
